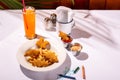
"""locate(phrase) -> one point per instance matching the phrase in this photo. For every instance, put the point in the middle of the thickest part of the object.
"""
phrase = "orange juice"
(29, 22)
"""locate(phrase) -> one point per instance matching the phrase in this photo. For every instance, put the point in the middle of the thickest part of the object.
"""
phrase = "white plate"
(60, 52)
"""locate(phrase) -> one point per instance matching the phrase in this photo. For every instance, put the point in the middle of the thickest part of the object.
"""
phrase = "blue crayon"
(69, 77)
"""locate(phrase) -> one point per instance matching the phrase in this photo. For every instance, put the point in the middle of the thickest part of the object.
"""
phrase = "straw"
(24, 9)
(23, 2)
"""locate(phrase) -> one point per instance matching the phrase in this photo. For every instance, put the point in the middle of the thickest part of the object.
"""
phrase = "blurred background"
(52, 4)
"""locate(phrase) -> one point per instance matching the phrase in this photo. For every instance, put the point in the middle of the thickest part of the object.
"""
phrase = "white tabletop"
(99, 34)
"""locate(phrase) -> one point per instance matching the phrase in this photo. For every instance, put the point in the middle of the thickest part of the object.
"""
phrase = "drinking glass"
(29, 22)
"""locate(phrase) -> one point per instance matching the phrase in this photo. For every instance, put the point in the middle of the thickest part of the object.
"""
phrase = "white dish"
(60, 52)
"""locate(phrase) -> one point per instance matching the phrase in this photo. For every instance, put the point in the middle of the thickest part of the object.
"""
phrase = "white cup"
(65, 20)
(65, 27)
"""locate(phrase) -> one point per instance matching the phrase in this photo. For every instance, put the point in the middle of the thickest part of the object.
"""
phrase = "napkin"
(64, 14)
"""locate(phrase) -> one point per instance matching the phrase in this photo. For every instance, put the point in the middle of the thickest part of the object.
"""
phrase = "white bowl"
(60, 52)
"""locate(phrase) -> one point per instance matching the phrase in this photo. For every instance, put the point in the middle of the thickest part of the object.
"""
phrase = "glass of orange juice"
(29, 22)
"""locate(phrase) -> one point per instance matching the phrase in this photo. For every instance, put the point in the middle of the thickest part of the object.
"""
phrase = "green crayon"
(76, 70)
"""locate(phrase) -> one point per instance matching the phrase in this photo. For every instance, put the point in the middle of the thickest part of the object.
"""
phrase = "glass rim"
(27, 7)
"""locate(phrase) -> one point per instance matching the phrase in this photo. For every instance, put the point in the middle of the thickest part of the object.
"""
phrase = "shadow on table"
(99, 29)
(77, 33)
(50, 75)
(82, 56)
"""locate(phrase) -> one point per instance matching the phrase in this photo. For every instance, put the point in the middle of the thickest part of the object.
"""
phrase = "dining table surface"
(98, 31)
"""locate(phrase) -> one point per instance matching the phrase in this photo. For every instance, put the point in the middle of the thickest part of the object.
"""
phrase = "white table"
(99, 34)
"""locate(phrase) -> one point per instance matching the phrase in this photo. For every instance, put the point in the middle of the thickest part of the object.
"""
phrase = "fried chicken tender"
(41, 43)
(33, 53)
(65, 37)
(62, 34)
